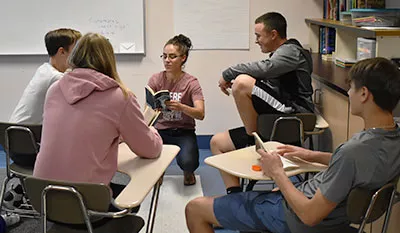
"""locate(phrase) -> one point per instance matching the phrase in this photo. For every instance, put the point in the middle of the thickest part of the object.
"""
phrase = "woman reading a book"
(85, 114)
(176, 125)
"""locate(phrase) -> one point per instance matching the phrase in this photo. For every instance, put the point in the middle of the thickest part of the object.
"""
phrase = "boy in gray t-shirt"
(369, 159)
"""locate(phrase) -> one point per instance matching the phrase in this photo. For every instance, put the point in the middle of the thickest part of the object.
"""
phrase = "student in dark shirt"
(278, 84)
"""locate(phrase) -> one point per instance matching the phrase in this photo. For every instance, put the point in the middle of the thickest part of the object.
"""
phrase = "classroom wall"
(392, 3)
(221, 113)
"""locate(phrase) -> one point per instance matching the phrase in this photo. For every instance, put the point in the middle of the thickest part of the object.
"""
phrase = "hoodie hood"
(81, 82)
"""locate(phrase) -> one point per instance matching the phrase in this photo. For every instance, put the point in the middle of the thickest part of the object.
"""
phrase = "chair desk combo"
(291, 128)
(239, 163)
(21, 144)
(145, 174)
(87, 202)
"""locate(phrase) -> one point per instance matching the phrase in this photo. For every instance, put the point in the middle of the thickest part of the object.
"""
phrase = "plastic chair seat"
(20, 170)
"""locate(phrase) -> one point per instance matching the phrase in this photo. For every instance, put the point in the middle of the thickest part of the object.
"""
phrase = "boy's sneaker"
(10, 219)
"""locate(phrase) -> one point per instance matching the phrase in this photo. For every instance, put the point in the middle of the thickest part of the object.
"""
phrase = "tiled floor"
(211, 181)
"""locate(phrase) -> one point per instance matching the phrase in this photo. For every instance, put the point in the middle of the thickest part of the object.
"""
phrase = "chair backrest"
(285, 128)
(36, 131)
(64, 206)
(378, 201)
(21, 145)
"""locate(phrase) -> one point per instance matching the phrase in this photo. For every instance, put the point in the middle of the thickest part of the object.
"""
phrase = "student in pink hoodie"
(85, 114)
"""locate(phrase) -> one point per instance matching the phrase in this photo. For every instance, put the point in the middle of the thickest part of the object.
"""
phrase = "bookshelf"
(387, 40)
(330, 75)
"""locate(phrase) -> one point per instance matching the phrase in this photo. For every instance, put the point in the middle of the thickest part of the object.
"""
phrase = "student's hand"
(224, 85)
(271, 163)
(289, 152)
(174, 105)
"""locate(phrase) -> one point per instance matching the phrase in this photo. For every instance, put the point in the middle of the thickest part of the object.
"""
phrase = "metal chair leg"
(3, 190)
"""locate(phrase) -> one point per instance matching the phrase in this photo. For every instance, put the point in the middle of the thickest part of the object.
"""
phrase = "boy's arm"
(310, 211)
(289, 151)
(321, 157)
(340, 173)
(144, 141)
(284, 60)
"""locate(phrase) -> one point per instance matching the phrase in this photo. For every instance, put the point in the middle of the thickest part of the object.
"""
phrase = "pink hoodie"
(85, 113)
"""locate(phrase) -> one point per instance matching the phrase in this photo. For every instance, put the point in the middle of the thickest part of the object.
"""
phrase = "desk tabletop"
(239, 163)
(144, 173)
(321, 123)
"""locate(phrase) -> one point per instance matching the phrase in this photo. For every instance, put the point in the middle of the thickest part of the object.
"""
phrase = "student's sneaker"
(13, 198)
(10, 219)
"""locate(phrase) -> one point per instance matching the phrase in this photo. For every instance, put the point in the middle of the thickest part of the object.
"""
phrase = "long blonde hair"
(95, 52)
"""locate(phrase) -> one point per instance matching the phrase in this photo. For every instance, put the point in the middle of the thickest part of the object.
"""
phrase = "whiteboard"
(24, 23)
(214, 24)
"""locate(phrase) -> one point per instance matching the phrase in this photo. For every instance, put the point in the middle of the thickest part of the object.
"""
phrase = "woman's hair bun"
(184, 40)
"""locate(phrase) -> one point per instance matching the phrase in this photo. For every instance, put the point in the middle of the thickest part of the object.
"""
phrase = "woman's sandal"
(189, 178)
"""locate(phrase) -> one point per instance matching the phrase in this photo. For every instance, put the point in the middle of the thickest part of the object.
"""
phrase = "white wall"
(392, 4)
(16, 71)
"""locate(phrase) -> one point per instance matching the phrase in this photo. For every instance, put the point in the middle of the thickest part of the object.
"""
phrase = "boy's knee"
(194, 206)
(221, 143)
(214, 142)
(243, 83)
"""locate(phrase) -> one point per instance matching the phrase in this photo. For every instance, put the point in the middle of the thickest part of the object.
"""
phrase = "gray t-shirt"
(369, 159)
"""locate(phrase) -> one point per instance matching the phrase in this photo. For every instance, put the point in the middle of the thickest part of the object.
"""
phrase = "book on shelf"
(344, 62)
(370, 3)
(156, 100)
(150, 115)
(327, 57)
(295, 163)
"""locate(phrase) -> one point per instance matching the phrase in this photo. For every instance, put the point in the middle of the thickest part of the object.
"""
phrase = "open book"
(156, 100)
(287, 164)
(151, 115)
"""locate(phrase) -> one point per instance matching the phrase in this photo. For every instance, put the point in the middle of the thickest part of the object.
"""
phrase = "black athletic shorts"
(266, 99)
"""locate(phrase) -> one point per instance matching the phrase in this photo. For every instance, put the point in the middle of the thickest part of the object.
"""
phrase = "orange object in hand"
(256, 168)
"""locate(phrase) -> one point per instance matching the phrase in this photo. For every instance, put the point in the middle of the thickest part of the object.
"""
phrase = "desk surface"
(144, 173)
(321, 123)
(239, 162)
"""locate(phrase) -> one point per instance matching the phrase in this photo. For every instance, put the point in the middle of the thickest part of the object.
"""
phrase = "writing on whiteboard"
(107, 26)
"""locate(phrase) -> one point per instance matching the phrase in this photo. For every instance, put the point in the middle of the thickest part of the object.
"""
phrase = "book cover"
(156, 100)
(287, 164)
(295, 163)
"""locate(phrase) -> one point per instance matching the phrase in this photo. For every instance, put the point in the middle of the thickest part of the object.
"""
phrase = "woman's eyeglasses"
(170, 56)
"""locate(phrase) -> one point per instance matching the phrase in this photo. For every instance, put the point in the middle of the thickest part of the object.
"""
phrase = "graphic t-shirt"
(186, 90)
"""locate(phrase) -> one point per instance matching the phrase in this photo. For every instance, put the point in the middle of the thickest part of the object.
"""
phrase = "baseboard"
(204, 141)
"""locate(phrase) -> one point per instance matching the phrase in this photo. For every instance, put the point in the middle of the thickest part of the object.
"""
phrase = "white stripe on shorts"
(269, 99)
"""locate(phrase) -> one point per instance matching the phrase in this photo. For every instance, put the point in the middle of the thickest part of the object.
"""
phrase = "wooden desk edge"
(321, 122)
(174, 149)
(293, 172)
